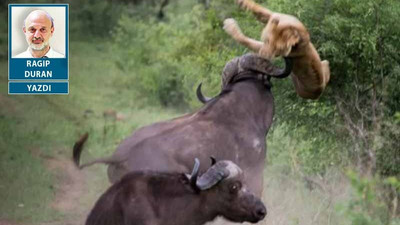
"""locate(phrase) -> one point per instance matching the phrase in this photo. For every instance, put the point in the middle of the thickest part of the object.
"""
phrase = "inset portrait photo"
(38, 31)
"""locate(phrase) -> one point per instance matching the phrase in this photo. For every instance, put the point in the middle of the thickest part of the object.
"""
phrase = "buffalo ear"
(185, 178)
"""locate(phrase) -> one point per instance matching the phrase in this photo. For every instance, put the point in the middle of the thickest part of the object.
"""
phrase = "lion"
(284, 35)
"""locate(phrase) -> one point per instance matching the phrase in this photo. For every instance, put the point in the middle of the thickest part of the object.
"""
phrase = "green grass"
(36, 126)
(25, 185)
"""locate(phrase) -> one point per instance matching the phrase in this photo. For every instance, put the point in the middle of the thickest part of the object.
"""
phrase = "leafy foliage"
(166, 60)
(368, 206)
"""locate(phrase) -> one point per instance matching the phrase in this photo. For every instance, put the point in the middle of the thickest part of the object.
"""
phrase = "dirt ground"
(71, 186)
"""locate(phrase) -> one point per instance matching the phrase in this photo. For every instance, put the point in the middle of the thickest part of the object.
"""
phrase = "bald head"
(40, 15)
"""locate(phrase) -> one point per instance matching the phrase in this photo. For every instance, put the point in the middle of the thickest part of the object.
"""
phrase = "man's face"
(38, 30)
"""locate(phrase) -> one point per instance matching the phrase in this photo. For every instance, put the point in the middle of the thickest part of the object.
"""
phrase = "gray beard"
(39, 47)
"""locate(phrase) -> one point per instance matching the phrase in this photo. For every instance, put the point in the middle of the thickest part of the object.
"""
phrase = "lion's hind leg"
(232, 28)
(326, 73)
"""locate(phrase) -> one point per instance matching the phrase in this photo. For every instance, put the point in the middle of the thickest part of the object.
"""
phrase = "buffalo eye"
(235, 187)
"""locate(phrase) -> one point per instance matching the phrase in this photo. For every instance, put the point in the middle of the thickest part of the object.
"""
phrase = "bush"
(94, 18)
(374, 201)
(167, 60)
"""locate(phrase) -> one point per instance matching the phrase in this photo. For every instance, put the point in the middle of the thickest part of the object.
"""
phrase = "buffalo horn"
(213, 160)
(200, 95)
(283, 73)
(213, 175)
(195, 173)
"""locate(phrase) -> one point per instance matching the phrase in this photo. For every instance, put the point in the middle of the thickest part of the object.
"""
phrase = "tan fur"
(285, 35)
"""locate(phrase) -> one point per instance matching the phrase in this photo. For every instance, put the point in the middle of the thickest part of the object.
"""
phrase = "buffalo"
(232, 126)
(161, 198)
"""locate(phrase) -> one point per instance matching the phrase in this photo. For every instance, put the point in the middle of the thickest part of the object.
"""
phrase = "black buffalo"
(232, 126)
(160, 198)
